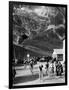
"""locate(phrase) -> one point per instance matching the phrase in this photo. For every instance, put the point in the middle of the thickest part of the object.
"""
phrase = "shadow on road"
(26, 78)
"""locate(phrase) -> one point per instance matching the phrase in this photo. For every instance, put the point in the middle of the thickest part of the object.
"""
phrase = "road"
(25, 77)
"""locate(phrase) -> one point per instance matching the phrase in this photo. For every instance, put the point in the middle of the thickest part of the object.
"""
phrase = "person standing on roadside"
(25, 63)
(46, 67)
(57, 68)
(13, 73)
(31, 66)
(60, 69)
(40, 72)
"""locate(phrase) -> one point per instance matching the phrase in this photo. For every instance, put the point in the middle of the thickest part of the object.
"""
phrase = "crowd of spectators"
(51, 66)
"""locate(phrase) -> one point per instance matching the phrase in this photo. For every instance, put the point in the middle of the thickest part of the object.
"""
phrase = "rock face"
(43, 27)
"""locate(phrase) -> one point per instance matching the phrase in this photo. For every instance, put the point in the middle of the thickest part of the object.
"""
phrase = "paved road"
(25, 77)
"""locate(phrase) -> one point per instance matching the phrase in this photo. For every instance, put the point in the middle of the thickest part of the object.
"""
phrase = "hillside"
(39, 30)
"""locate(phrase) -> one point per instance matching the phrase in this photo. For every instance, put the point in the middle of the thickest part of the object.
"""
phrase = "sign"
(60, 57)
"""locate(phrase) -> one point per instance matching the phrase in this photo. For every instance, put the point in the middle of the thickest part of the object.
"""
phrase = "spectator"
(13, 73)
(59, 69)
(52, 68)
(31, 66)
(40, 72)
(46, 67)
(25, 63)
